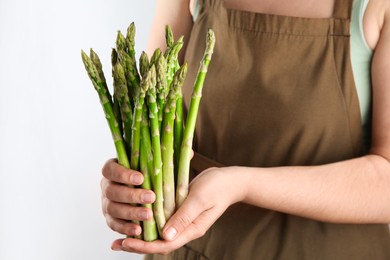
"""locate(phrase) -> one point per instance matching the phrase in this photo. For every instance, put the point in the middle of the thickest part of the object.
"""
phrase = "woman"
(302, 129)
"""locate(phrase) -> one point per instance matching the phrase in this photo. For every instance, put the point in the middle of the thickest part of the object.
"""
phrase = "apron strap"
(342, 9)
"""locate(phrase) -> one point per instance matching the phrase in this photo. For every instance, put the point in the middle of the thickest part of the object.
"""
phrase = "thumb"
(179, 221)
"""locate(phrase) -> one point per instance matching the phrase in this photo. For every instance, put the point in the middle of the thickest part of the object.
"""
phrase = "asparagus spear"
(137, 118)
(120, 93)
(185, 156)
(115, 103)
(172, 66)
(132, 75)
(167, 142)
(143, 64)
(120, 42)
(156, 148)
(171, 56)
(178, 131)
(108, 111)
(169, 39)
(130, 41)
(107, 108)
(99, 67)
(161, 87)
(156, 55)
(146, 166)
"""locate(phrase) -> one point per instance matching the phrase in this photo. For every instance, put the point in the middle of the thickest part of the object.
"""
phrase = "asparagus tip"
(91, 52)
(210, 42)
(114, 56)
(144, 64)
(120, 41)
(169, 36)
(83, 53)
(86, 60)
(120, 85)
(181, 39)
(131, 30)
(183, 71)
(156, 56)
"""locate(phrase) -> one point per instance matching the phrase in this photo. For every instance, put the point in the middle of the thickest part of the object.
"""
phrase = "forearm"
(353, 191)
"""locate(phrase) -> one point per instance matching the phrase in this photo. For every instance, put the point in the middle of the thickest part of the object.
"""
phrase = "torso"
(270, 95)
(373, 18)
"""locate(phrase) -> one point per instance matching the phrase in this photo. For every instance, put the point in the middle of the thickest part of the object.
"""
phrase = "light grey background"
(53, 135)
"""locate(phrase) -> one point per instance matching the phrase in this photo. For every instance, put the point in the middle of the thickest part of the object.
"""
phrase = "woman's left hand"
(210, 194)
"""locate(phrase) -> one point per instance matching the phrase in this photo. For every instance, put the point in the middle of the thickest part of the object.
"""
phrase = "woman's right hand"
(119, 198)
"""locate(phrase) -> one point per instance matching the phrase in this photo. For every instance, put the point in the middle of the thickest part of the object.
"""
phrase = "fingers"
(124, 194)
(117, 198)
(183, 218)
(117, 245)
(126, 211)
(195, 230)
(188, 222)
(133, 245)
(123, 227)
(117, 173)
(141, 247)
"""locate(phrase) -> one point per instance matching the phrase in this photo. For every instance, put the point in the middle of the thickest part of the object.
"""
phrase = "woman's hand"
(211, 193)
(117, 197)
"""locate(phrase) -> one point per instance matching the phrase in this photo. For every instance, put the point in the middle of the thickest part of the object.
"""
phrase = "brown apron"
(279, 91)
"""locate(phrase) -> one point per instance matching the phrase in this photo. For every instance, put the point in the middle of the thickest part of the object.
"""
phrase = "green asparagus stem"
(146, 166)
(109, 113)
(130, 41)
(161, 87)
(99, 67)
(178, 132)
(167, 142)
(120, 93)
(107, 108)
(116, 106)
(156, 148)
(137, 118)
(185, 156)
(114, 103)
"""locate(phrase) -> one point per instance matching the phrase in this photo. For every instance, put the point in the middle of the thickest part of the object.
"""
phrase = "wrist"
(251, 185)
(241, 178)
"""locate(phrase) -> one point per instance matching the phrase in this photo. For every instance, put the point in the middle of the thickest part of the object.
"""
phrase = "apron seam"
(285, 34)
(240, 28)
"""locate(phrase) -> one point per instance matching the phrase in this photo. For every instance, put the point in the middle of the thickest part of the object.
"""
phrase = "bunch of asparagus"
(145, 116)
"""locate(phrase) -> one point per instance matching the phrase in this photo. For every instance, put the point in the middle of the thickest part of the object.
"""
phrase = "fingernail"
(147, 197)
(136, 231)
(116, 248)
(126, 245)
(136, 179)
(145, 215)
(170, 233)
